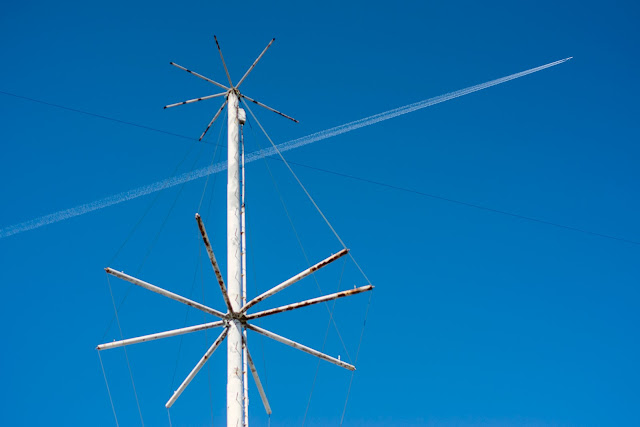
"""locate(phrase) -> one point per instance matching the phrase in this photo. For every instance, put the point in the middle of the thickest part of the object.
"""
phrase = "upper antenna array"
(228, 90)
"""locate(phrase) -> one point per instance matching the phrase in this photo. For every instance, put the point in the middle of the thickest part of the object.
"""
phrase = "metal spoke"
(197, 368)
(310, 302)
(255, 62)
(213, 120)
(254, 372)
(298, 346)
(195, 100)
(294, 279)
(223, 63)
(214, 263)
(200, 75)
(269, 108)
(165, 293)
(159, 335)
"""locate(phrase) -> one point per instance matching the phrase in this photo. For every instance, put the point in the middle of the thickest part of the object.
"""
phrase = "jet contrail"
(256, 155)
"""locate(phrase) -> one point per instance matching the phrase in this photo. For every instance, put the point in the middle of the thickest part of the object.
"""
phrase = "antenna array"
(237, 319)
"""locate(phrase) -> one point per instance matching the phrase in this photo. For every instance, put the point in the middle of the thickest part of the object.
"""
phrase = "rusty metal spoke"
(294, 279)
(214, 263)
(310, 302)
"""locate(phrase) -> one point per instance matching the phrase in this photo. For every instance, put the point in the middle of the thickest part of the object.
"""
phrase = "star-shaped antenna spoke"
(269, 108)
(241, 316)
(213, 120)
(223, 63)
(254, 373)
(221, 86)
(197, 368)
(255, 62)
(195, 100)
(164, 292)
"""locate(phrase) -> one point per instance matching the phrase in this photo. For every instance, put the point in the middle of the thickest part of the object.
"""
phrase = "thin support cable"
(134, 228)
(243, 245)
(133, 384)
(295, 176)
(364, 324)
(254, 281)
(113, 408)
(213, 159)
(306, 192)
(152, 245)
(186, 317)
(304, 253)
(100, 116)
(324, 343)
(148, 209)
(166, 218)
(169, 415)
(259, 320)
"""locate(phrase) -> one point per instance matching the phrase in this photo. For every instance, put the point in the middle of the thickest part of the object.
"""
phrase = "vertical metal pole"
(235, 389)
(243, 232)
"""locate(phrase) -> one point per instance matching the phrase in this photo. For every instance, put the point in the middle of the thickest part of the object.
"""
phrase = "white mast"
(236, 320)
(235, 387)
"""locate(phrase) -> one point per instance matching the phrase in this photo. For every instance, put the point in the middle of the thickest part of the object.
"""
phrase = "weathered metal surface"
(294, 279)
(256, 378)
(165, 293)
(167, 334)
(269, 108)
(310, 302)
(200, 75)
(235, 388)
(214, 262)
(213, 120)
(298, 346)
(195, 100)
(255, 62)
(197, 368)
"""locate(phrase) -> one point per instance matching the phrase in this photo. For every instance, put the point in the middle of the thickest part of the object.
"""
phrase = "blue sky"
(478, 318)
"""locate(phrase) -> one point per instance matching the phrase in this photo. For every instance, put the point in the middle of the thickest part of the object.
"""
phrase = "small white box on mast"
(242, 116)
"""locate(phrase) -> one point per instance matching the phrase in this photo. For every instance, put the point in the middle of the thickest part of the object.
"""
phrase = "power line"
(100, 116)
(460, 202)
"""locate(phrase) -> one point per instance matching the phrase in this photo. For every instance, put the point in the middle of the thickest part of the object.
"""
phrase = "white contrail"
(286, 146)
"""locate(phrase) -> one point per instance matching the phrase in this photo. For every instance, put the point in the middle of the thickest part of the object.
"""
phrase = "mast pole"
(235, 387)
(243, 214)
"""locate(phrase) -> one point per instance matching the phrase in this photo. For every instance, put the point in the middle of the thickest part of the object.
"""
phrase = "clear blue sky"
(478, 318)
